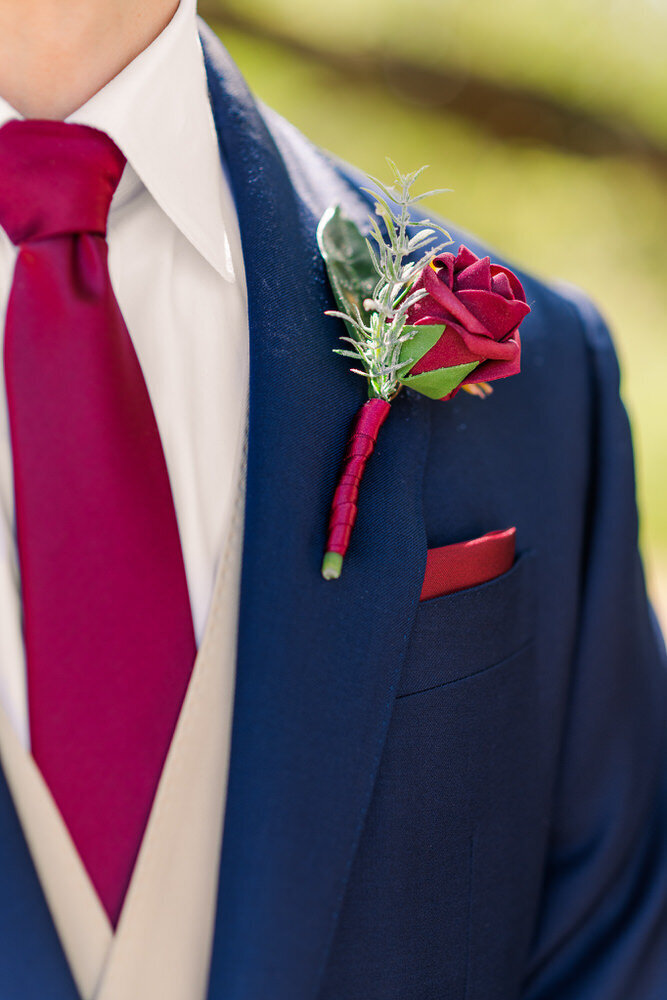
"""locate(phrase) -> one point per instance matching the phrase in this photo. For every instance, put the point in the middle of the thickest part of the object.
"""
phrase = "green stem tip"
(332, 564)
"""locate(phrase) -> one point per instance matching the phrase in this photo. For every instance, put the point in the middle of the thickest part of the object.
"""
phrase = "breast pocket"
(461, 634)
(455, 792)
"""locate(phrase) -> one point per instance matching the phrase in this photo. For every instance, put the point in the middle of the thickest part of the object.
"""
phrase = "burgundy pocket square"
(466, 564)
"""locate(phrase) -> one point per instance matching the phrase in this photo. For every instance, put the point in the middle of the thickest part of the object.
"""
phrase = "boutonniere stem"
(360, 445)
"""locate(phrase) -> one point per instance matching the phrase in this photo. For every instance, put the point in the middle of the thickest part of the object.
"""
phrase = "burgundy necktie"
(107, 623)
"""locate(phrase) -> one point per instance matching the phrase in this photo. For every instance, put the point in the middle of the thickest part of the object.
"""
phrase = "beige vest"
(162, 946)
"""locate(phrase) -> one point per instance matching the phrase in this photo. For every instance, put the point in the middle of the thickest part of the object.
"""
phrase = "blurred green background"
(548, 121)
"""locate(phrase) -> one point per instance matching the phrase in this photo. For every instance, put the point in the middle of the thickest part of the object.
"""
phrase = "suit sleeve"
(602, 932)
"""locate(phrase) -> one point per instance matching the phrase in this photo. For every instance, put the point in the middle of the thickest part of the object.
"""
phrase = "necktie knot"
(55, 178)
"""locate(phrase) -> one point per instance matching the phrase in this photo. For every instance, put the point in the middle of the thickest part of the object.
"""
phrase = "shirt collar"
(157, 111)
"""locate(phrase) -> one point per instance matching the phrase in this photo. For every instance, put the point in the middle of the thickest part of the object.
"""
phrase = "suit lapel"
(317, 661)
(32, 961)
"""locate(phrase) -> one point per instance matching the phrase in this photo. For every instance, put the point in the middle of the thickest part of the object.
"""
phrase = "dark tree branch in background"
(510, 113)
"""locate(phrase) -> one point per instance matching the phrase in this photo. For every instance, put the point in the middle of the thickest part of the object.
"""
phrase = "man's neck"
(55, 54)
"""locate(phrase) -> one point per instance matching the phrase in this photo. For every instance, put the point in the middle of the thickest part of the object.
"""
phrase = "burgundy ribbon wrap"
(343, 514)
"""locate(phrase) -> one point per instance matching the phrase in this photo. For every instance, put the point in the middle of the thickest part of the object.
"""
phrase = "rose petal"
(465, 258)
(490, 370)
(515, 284)
(458, 346)
(500, 284)
(439, 291)
(448, 351)
(477, 275)
(483, 347)
(497, 315)
(444, 265)
(428, 312)
(425, 309)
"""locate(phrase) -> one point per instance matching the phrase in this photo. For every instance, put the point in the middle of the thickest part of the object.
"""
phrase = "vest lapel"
(317, 661)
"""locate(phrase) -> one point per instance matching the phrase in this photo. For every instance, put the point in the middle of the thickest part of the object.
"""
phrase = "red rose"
(482, 305)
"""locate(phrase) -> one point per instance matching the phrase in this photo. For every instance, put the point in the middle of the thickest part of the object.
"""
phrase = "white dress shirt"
(177, 271)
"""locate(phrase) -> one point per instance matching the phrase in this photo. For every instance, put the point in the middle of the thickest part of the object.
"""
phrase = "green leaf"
(440, 382)
(349, 264)
(425, 337)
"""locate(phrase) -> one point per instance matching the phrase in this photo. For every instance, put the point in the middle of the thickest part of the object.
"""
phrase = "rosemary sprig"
(379, 332)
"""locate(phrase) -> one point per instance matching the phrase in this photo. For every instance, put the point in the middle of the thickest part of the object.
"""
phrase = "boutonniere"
(416, 316)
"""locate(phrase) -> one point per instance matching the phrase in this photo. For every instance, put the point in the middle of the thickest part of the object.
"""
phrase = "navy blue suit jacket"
(459, 799)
